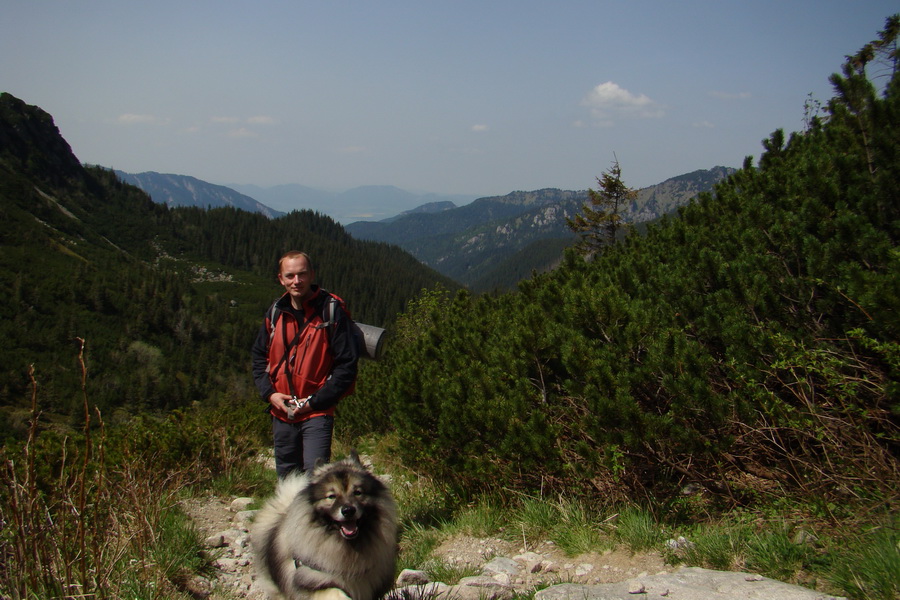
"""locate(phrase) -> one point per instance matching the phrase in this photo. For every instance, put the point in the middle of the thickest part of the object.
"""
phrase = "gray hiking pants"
(301, 445)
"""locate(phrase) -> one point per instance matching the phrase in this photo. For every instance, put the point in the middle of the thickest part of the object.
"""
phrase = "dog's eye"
(331, 496)
(357, 492)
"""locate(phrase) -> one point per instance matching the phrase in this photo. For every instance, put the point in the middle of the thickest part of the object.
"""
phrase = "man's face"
(296, 276)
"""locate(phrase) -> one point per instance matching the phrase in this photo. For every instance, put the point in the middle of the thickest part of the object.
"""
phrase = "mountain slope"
(469, 243)
(184, 190)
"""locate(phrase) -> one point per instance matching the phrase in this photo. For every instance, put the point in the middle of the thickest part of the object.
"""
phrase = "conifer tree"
(600, 222)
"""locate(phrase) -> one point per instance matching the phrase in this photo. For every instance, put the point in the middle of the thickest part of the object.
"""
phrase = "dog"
(330, 534)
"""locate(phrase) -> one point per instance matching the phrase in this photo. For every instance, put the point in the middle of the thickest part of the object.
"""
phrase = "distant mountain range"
(366, 203)
(184, 190)
(488, 243)
(497, 241)
(372, 202)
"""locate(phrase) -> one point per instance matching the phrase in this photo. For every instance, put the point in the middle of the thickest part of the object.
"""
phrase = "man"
(303, 366)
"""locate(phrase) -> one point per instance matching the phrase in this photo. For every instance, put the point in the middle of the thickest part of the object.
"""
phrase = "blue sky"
(462, 97)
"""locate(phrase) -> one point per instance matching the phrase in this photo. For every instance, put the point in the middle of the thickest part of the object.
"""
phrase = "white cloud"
(608, 101)
(255, 120)
(133, 119)
(479, 128)
(704, 124)
(730, 95)
(242, 132)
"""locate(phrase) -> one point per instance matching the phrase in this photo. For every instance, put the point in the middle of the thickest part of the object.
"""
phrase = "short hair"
(295, 254)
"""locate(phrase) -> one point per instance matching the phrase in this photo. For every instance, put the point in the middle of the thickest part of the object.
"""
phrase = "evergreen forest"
(166, 302)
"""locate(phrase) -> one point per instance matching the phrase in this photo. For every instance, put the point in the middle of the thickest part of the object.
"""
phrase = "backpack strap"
(289, 346)
(272, 316)
(328, 312)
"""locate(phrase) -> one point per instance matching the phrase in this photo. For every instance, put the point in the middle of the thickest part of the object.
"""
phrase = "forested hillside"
(166, 302)
(495, 242)
(748, 345)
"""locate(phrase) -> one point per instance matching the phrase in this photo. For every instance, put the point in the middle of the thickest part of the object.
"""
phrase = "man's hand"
(279, 401)
(283, 403)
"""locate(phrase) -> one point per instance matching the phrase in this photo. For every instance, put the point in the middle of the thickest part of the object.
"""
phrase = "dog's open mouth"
(349, 529)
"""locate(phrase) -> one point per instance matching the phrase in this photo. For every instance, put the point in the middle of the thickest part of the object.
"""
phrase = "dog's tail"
(287, 490)
(269, 517)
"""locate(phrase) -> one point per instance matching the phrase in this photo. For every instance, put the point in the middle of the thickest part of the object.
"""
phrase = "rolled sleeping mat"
(372, 340)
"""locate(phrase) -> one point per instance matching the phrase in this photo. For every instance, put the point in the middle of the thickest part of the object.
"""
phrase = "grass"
(795, 550)
(869, 566)
(774, 552)
(639, 530)
(89, 515)
(713, 546)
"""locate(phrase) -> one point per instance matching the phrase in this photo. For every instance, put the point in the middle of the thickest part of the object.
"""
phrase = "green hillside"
(166, 301)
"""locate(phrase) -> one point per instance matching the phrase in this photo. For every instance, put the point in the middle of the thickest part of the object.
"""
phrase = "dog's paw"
(329, 594)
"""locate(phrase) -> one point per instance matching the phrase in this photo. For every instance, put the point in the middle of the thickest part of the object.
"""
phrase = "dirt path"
(227, 540)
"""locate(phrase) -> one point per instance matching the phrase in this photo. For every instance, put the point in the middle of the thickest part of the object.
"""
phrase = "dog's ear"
(354, 456)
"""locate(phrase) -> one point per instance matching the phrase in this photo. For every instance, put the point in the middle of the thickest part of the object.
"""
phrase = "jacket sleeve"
(345, 351)
(260, 355)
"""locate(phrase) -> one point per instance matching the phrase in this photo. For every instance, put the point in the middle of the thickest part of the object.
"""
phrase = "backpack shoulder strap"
(328, 310)
(272, 316)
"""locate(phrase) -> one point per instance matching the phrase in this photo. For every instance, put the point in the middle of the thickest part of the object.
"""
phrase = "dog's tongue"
(349, 530)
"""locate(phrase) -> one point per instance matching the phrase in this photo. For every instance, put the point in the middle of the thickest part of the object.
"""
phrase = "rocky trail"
(506, 569)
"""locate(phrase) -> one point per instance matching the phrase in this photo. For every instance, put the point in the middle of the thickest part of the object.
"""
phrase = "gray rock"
(217, 540)
(239, 504)
(483, 581)
(412, 577)
(803, 537)
(232, 536)
(534, 562)
(245, 517)
(688, 583)
(501, 564)
(230, 565)
(479, 588)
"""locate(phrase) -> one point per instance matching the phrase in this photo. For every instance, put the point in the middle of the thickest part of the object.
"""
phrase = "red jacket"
(321, 361)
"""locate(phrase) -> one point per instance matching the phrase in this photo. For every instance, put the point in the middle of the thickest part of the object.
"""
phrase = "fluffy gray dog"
(327, 535)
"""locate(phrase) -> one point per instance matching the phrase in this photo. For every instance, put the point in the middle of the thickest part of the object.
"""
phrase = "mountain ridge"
(185, 190)
(364, 203)
(475, 244)
(470, 243)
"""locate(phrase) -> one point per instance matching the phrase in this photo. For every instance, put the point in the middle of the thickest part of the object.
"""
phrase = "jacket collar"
(284, 303)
